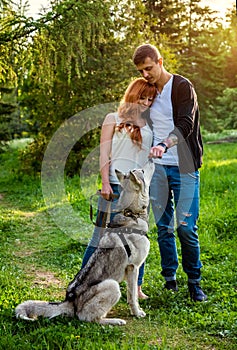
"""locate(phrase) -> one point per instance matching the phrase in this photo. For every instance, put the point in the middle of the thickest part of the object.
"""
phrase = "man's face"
(150, 70)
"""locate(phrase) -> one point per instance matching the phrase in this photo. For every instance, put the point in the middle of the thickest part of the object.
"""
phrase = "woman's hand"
(106, 191)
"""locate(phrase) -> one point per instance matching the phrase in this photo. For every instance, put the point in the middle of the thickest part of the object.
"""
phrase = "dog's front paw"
(141, 313)
(138, 313)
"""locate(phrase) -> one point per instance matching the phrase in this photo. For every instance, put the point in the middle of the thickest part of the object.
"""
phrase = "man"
(177, 154)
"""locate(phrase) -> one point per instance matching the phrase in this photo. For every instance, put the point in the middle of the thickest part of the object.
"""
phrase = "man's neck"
(165, 77)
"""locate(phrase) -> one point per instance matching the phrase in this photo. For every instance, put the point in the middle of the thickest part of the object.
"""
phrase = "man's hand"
(158, 151)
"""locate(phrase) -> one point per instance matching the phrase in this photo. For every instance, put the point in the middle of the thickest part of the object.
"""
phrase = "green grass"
(224, 135)
(37, 261)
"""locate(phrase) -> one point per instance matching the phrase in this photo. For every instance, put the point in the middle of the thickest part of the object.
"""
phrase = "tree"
(79, 54)
(166, 21)
(231, 61)
(12, 62)
(202, 55)
(64, 75)
(227, 108)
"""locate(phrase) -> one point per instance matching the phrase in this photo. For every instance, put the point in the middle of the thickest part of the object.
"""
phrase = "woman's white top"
(125, 155)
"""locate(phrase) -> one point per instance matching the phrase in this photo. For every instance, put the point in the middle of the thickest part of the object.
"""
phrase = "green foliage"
(38, 260)
(227, 108)
(231, 67)
(77, 55)
(167, 20)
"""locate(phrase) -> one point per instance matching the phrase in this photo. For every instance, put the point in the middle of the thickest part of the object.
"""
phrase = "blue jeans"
(93, 244)
(172, 192)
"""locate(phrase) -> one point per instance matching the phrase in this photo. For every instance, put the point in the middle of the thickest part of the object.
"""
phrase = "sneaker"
(171, 285)
(196, 292)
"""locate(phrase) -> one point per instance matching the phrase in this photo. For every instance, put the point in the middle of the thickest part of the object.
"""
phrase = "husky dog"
(123, 247)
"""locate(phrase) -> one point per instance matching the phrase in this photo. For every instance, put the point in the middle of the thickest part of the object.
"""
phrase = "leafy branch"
(15, 27)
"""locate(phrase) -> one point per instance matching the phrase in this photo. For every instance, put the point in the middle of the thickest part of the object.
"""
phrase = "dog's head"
(135, 189)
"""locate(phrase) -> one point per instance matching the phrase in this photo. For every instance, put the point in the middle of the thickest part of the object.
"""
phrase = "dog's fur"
(122, 249)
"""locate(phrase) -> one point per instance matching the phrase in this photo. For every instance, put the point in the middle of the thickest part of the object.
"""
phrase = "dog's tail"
(31, 309)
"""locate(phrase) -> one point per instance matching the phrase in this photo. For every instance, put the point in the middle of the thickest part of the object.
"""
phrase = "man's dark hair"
(144, 51)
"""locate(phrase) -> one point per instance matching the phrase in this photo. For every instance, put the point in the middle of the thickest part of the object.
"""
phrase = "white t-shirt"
(125, 155)
(163, 123)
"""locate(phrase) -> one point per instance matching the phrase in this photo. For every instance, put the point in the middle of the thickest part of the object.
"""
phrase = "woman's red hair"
(129, 109)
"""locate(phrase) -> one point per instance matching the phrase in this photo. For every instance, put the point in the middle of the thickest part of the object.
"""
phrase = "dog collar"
(128, 230)
(133, 230)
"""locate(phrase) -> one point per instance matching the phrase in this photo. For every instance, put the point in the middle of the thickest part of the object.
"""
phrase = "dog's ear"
(136, 178)
(119, 175)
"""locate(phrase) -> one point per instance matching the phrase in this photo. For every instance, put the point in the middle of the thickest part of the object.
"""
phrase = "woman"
(125, 143)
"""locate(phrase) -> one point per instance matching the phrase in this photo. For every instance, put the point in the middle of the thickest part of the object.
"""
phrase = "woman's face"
(145, 102)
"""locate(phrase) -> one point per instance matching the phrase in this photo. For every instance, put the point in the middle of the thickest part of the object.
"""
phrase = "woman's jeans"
(171, 190)
(93, 244)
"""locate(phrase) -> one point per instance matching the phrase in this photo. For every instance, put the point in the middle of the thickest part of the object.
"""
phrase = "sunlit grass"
(220, 163)
(37, 261)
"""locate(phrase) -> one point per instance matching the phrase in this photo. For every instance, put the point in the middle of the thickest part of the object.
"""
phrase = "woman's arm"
(107, 133)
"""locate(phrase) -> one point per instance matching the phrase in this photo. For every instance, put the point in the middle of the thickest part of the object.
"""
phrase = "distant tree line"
(78, 54)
